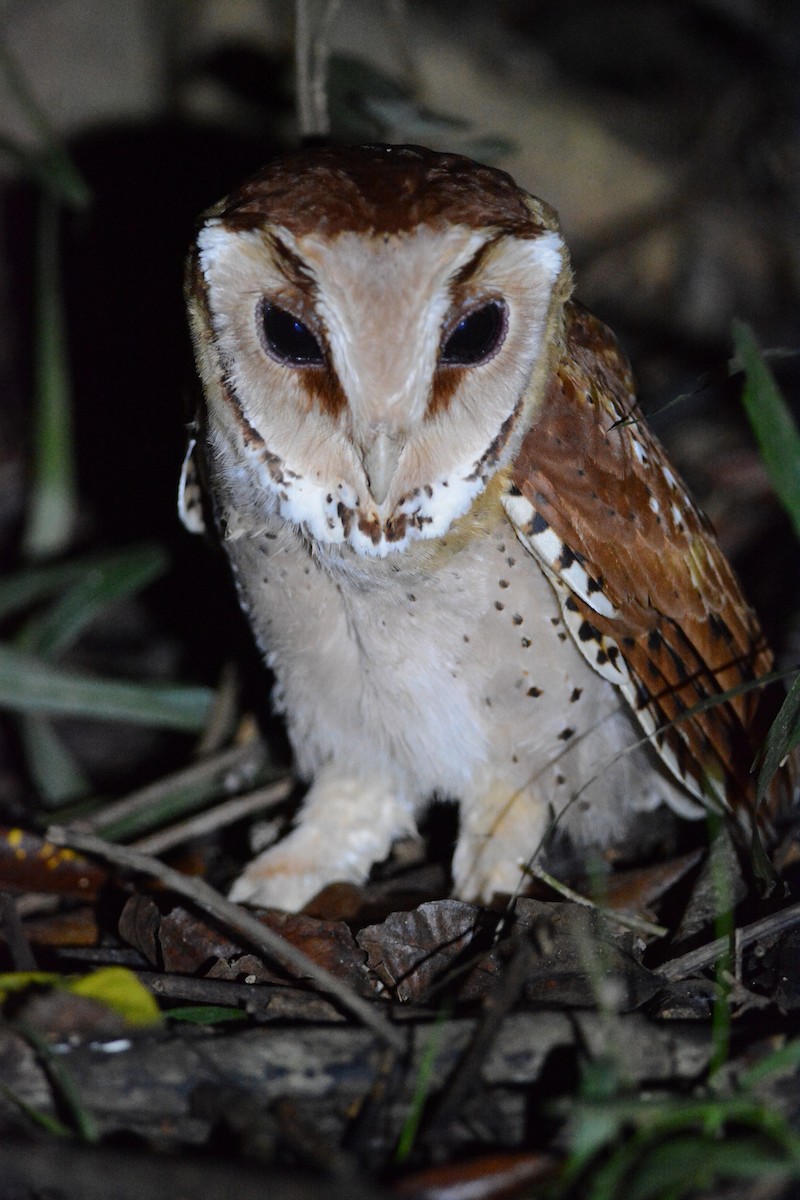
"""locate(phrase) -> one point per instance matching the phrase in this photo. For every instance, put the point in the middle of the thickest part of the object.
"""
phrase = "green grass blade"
(687, 1164)
(774, 428)
(187, 791)
(30, 685)
(170, 803)
(784, 734)
(61, 1078)
(53, 166)
(722, 888)
(787, 1059)
(108, 580)
(52, 508)
(32, 584)
(422, 1086)
(42, 1120)
(91, 586)
(55, 773)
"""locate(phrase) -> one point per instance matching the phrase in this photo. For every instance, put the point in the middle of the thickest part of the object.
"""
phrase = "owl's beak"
(380, 458)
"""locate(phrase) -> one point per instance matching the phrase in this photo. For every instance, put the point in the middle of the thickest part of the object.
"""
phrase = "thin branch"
(312, 54)
(637, 924)
(234, 769)
(22, 957)
(215, 818)
(465, 1079)
(706, 956)
(302, 67)
(261, 1000)
(233, 917)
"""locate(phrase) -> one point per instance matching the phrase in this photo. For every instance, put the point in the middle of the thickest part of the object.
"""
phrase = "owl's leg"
(347, 823)
(500, 830)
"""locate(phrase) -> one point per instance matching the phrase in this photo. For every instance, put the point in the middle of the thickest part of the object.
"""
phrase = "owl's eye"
(476, 337)
(287, 339)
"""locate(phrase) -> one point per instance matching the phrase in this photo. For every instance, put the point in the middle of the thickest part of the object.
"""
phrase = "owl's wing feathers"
(191, 492)
(645, 591)
(198, 504)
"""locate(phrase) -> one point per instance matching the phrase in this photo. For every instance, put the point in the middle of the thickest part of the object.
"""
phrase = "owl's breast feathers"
(644, 587)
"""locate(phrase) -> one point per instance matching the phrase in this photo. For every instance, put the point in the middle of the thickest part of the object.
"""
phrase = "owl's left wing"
(644, 588)
(191, 492)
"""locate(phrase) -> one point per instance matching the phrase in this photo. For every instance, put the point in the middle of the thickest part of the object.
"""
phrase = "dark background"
(665, 133)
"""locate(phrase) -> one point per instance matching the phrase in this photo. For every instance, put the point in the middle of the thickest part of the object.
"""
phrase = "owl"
(469, 564)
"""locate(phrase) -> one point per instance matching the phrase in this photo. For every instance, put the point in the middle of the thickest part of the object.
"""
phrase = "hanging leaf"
(783, 736)
(775, 430)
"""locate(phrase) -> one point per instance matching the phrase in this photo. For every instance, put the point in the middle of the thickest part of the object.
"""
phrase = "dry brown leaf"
(29, 863)
(186, 943)
(411, 951)
(490, 1177)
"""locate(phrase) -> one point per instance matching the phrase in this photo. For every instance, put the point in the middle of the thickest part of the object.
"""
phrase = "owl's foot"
(286, 876)
(500, 832)
(345, 825)
(481, 871)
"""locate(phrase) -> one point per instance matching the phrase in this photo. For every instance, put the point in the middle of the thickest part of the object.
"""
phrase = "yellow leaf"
(119, 989)
(17, 981)
(116, 987)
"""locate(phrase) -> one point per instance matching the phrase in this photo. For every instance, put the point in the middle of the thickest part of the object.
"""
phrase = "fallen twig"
(233, 769)
(706, 956)
(637, 924)
(215, 818)
(234, 917)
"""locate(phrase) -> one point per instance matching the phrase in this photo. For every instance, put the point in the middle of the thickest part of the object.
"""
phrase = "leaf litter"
(494, 1013)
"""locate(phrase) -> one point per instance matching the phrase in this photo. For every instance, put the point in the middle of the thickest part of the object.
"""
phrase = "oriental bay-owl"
(469, 564)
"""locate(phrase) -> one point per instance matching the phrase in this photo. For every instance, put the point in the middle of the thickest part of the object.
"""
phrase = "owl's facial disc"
(385, 374)
(471, 340)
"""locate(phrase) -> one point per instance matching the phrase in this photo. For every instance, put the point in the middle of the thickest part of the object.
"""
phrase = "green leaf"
(787, 1059)
(54, 771)
(32, 584)
(103, 582)
(206, 1014)
(30, 685)
(51, 165)
(686, 1164)
(775, 430)
(784, 734)
(53, 505)
(91, 584)
(18, 981)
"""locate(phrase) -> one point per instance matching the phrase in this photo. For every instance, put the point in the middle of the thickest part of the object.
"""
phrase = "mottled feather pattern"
(613, 503)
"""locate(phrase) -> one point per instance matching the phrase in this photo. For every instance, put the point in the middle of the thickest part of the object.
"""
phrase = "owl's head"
(373, 326)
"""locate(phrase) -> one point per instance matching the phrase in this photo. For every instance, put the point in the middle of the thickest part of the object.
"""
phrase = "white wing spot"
(190, 503)
(579, 579)
(548, 545)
